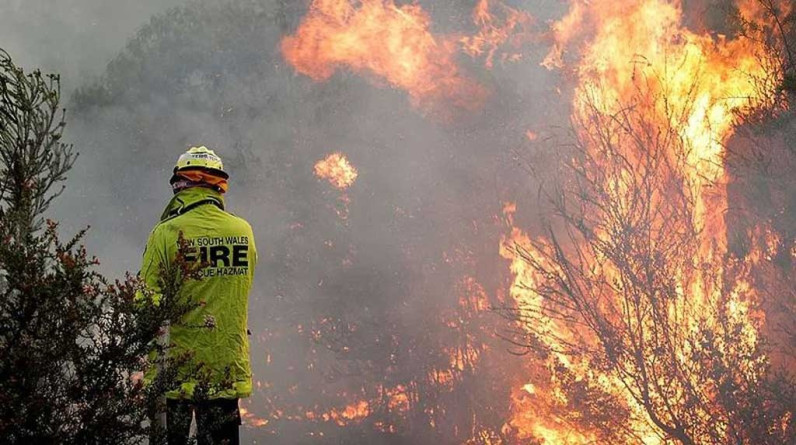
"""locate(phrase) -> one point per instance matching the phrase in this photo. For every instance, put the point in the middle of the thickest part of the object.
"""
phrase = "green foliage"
(33, 157)
(70, 339)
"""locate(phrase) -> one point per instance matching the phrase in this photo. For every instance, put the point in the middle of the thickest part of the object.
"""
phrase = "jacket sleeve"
(153, 263)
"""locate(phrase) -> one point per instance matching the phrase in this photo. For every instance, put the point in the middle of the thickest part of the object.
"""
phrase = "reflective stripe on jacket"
(214, 333)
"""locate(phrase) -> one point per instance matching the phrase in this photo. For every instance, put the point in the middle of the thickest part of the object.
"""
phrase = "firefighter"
(213, 334)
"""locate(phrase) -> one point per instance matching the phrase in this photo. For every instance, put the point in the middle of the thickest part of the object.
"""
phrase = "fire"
(388, 43)
(654, 106)
(640, 280)
(647, 40)
(510, 26)
(394, 45)
(250, 420)
(360, 410)
(351, 413)
(336, 169)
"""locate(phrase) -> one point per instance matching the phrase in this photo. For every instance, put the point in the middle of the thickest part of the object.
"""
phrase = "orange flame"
(250, 419)
(638, 54)
(351, 413)
(510, 26)
(387, 42)
(336, 169)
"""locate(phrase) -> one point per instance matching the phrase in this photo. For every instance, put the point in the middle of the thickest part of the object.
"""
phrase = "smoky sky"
(75, 38)
(146, 80)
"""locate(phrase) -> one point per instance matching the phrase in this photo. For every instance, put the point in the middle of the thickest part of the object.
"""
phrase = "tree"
(632, 296)
(70, 339)
(621, 285)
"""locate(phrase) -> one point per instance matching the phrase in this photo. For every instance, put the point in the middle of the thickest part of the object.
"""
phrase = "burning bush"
(649, 328)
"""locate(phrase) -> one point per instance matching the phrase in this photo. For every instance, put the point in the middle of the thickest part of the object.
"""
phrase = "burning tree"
(629, 289)
(69, 338)
(649, 329)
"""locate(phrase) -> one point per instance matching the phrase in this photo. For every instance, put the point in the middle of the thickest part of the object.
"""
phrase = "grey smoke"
(211, 73)
(75, 38)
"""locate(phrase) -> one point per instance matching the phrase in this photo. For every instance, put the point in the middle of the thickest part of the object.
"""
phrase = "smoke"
(356, 291)
(341, 304)
(75, 38)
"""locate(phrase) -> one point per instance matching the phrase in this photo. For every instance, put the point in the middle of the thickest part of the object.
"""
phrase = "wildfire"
(336, 169)
(351, 413)
(640, 280)
(387, 42)
(654, 105)
(394, 44)
(510, 26)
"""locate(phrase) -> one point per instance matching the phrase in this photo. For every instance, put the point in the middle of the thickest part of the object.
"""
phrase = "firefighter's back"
(221, 246)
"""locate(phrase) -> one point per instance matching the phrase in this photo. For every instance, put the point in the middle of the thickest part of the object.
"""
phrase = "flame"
(628, 58)
(360, 410)
(250, 420)
(336, 169)
(394, 44)
(639, 71)
(511, 25)
(351, 413)
(646, 40)
(386, 42)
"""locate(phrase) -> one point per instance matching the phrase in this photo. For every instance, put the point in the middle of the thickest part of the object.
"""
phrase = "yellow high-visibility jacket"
(214, 334)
